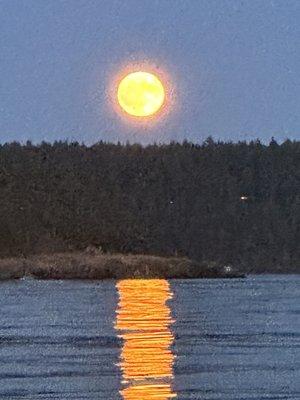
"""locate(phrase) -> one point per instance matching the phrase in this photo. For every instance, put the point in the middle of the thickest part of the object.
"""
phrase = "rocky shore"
(82, 265)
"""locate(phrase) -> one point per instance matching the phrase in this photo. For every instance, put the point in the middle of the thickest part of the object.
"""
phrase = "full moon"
(141, 94)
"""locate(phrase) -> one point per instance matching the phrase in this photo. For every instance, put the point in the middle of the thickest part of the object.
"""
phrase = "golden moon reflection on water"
(143, 322)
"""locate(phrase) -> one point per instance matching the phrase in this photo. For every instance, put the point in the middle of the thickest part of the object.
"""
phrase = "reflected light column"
(143, 322)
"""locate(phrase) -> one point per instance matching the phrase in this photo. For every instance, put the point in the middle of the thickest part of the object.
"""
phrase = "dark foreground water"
(138, 340)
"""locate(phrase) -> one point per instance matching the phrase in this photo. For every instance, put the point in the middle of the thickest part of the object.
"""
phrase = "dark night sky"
(235, 66)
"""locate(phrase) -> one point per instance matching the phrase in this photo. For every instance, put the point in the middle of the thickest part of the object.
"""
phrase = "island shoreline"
(85, 266)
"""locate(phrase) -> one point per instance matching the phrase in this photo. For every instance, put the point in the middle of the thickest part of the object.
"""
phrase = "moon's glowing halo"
(161, 113)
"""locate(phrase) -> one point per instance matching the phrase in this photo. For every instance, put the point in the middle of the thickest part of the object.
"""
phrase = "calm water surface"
(144, 340)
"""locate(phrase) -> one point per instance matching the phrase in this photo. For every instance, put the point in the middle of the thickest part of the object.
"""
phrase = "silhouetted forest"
(232, 203)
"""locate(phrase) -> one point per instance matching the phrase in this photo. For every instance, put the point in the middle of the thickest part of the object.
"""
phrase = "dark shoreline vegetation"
(216, 203)
(87, 265)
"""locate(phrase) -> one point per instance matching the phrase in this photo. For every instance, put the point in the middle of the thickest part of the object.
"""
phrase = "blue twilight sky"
(235, 65)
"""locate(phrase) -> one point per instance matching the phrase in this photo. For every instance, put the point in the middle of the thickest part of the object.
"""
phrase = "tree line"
(230, 203)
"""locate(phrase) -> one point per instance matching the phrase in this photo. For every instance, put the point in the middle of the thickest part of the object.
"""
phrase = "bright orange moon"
(141, 94)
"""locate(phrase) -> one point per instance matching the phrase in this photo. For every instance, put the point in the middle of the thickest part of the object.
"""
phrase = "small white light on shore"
(244, 198)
